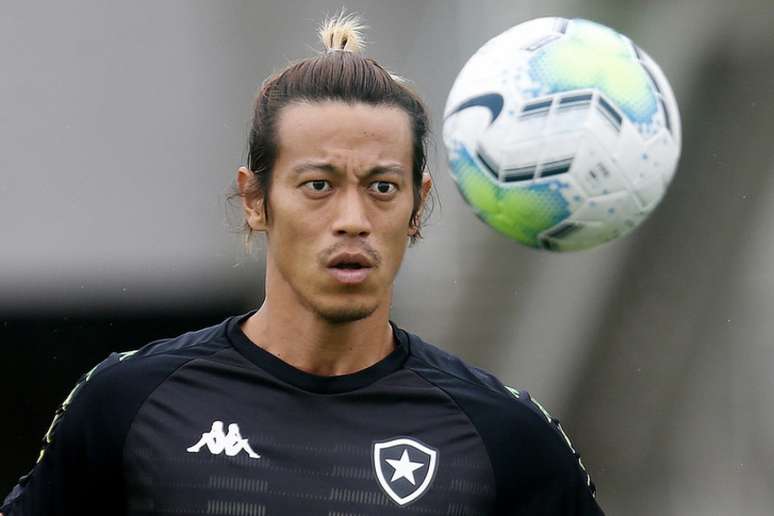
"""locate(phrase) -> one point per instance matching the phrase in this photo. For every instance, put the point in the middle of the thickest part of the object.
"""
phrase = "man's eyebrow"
(392, 168)
(313, 165)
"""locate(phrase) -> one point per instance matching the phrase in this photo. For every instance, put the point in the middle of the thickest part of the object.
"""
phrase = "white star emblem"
(404, 468)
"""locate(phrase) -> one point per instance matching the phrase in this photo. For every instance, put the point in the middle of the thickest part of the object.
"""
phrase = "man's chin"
(344, 314)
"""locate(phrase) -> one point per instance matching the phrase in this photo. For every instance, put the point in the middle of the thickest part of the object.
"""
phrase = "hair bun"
(342, 32)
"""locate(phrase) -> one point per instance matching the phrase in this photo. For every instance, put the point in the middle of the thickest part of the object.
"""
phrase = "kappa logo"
(405, 468)
(218, 442)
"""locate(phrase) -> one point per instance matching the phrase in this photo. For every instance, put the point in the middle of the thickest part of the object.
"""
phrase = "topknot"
(342, 32)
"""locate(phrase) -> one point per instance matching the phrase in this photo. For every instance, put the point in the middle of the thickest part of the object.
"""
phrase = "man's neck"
(307, 342)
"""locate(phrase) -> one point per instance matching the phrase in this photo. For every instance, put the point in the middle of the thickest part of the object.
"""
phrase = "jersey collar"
(312, 382)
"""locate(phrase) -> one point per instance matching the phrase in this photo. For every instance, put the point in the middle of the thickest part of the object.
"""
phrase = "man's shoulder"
(109, 394)
(447, 370)
(190, 344)
(480, 394)
(125, 379)
(476, 389)
(521, 436)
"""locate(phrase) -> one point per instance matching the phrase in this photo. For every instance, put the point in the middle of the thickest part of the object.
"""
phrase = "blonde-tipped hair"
(343, 32)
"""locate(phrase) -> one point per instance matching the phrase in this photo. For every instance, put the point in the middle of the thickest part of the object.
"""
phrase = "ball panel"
(599, 220)
(617, 210)
(648, 193)
(661, 155)
(593, 56)
(666, 95)
(521, 213)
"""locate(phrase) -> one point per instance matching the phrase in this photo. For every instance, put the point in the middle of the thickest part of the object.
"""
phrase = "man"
(330, 408)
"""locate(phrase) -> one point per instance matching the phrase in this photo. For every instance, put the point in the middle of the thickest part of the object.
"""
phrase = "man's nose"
(351, 216)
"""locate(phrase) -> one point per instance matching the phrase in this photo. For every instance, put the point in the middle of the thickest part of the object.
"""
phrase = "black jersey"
(209, 423)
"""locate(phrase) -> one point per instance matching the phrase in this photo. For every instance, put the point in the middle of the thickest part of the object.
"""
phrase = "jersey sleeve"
(553, 479)
(79, 463)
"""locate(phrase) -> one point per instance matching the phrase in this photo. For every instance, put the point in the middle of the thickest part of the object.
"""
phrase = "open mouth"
(350, 272)
(346, 266)
(351, 268)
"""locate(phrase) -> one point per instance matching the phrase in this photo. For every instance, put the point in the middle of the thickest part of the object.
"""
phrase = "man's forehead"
(337, 130)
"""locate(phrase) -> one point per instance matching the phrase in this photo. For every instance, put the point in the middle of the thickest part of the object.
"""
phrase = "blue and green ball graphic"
(519, 213)
(592, 56)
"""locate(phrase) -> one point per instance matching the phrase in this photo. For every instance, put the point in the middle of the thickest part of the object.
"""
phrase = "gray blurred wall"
(122, 125)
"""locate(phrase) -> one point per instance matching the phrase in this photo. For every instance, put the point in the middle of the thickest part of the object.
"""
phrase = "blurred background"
(122, 125)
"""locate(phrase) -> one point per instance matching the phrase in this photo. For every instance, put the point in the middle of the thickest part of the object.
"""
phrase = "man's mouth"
(350, 260)
(350, 268)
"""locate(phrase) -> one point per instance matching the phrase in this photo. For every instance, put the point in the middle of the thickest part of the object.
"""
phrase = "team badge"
(405, 468)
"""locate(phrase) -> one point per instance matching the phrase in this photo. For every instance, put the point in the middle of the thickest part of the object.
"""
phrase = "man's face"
(340, 205)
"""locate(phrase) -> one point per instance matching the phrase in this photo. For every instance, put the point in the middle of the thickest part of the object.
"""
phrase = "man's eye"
(383, 187)
(317, 185)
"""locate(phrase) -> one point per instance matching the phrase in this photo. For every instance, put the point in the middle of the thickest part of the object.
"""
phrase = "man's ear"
(252, 201)
(427, 185)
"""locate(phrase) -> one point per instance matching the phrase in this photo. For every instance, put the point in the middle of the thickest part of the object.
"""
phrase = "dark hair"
(339, 74)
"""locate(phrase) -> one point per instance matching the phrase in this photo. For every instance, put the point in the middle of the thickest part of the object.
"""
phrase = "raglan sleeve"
(548, 477)
(78, 469)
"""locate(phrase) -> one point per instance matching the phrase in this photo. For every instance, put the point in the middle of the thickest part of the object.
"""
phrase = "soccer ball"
(562, 134)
